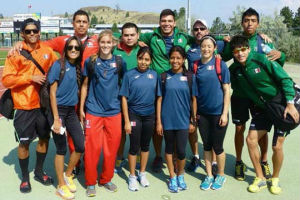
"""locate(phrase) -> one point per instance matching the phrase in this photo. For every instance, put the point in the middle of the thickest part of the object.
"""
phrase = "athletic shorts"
(240, 109)
(29, 124)
(260, 121)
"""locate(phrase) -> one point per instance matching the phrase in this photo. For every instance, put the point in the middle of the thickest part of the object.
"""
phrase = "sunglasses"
(237, 50)
(28, 31)
(201, 29)
(71, 47)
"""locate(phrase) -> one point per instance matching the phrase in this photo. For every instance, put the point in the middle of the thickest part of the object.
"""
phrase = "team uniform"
(264, 85)
(67, 99)
(240, 104)
(128, 55)
(176, 99)
(29, 121)
(103, 120)
(210, 103)
(140, 90)
(160, 47)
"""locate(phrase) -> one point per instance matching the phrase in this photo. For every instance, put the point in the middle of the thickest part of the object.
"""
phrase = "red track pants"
(101, 134)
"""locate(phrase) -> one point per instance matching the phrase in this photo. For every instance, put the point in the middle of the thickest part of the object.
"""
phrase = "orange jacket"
(18, 72)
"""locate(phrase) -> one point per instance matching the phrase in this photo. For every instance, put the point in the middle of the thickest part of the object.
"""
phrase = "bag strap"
(218, 68)
(91, 70)
(85, 43)
(119, 62)
(189, 76)
(28, 56)
(61, 74)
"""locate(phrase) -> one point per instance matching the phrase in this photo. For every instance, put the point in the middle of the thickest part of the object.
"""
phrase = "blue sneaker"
(218, 183)
(173, 187)
(181, 183)
(208, 181)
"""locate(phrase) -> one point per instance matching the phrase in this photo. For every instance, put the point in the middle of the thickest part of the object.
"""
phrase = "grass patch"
(3, 55)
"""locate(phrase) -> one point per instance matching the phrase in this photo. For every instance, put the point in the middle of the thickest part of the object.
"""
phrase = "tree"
(94, 20)
(127, 14)
(287, 13)
(296, 23)
(66, 15)
(1, 16)
(114, 28)
(89, 13)
(218, 26)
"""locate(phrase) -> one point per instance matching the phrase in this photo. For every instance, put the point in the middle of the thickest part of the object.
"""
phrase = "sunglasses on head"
(71, 47)
(237, 50)
(201, 29)
(28, 31)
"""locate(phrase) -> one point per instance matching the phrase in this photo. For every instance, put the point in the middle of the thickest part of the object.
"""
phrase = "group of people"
(102, 89)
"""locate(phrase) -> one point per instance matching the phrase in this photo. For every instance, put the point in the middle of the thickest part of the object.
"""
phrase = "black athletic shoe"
(214, 169)
(240, 169)
(195, 163)
(76, 170)
(266, 170)
(44, 179)
(157, 164)
(25, 187)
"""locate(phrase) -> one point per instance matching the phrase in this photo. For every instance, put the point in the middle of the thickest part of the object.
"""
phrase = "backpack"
(91, 69)
(218, 68)
(7, 105)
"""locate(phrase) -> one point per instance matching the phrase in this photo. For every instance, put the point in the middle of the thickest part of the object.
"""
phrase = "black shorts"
(260, 121)
(29, 124)
(240, 109)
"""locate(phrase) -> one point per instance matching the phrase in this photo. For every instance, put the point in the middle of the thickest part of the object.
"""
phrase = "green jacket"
(130, 59)
(260, 78)
(227, 52)
(160, 61)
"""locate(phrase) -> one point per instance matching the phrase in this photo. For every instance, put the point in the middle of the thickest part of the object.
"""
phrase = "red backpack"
(217, 68)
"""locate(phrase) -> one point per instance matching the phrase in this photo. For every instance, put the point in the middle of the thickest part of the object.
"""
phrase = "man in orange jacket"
(24, 79)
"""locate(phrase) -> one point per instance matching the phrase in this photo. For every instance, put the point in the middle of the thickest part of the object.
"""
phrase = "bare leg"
(208, 160)
(169, 160)
(239, 141)
(144, 160)
(132, 164)
(277, 157)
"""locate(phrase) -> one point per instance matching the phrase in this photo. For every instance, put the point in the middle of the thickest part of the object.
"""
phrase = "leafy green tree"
(66, 15)
(114, 28)
(1, 16)
(94, 20)
(218, 26)
(127, 14)
(287, 13)
(296, 23)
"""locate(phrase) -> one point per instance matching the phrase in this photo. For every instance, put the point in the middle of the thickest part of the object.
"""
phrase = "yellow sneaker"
(70, 183)
(257, 185)
(64, 192)
(275, 187)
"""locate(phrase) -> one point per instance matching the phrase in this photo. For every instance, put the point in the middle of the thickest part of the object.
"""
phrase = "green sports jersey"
(130, 59)
(160, 61)
(261, 79)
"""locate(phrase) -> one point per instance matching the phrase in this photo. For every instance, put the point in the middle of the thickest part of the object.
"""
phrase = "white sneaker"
(132, 183)
(143, 179)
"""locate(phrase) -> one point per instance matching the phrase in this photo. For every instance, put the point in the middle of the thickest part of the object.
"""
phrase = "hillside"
(109, 15)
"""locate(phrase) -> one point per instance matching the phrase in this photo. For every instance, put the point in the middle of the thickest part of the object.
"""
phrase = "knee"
(145, 148)
(251, 142)
(80, 148)
(133, 151)
(61, 151)
(218, 150)
(207, 147)
(181, 155)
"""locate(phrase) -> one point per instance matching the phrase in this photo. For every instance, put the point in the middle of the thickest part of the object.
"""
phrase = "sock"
(214, 163)
(40, 158)
(24, 168)
(264, 163)
(238, 162)
(197, 156)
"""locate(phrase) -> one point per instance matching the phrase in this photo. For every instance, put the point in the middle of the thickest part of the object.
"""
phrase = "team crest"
(257, 70)
(89, 44)
(210, 67)
(183, 78)
(113, 65)
(46, 56)
(150, 76)
(179, 40)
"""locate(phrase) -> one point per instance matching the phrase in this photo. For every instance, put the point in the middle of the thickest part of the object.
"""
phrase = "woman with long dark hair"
(64, 95)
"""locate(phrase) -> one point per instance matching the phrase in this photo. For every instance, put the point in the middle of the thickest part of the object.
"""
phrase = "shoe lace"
(267, 169)
(238, 169)
(219, 180)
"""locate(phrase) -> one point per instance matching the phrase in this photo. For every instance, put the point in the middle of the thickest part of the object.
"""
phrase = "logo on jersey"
(179, 40)
(46, 56)
(193, 50)
(257, 70)
(137, 76)
(113, 65)
(183, 78)
(87, 124)
(98, 63)
(67, 69)
(150, 76)
(169, 77)
(133, 123)
(210, 67)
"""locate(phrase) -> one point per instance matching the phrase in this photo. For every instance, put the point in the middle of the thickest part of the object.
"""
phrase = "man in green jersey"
(257, 68)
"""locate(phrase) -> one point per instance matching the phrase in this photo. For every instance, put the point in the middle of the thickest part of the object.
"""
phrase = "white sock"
(197, 156)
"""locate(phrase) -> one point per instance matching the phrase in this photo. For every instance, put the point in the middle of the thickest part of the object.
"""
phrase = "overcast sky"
(205, 9)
